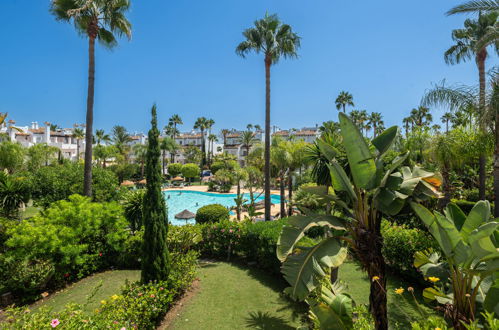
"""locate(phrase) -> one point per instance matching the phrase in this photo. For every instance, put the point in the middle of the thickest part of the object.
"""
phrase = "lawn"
(233, 297)
(101, 286)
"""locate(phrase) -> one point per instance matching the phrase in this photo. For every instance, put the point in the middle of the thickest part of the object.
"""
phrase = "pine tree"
(155, 256)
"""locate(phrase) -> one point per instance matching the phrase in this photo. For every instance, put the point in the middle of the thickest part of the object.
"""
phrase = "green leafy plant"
(132, 207)
(190, 171)
(14, 193)
(471, 260)
(372, 189)
(212, 213)
(174, 169)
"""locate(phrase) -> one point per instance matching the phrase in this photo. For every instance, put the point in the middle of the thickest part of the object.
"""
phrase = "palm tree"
(101, 20)
(78, 134)
(139, 151)
(212, 138)
(224, 132)
(475, 6)
(275, 40)
(363, 118)
(375, 120)
(202, 124)
(421, 116)
(258, 128)
(407, 121)
(170, 145)
(121, 139)
(281, 159)
(174, 121)
(344, 99)
(101, 136)
(247, 139)
(469, 45)
(445, 119)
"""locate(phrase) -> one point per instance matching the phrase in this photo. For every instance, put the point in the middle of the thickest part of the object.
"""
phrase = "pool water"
(179, 200)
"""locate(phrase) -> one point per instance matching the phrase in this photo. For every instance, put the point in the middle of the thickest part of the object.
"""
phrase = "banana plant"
(372, 189)
(332, 309)
(470, 248)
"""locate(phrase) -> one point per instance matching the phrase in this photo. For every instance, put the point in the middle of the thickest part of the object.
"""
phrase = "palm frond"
(475, 6)
(452, 97)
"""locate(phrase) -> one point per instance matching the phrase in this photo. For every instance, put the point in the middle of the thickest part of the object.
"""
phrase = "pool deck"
(274, 210)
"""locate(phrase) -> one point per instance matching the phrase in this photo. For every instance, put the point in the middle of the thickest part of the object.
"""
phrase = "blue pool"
(179, 200)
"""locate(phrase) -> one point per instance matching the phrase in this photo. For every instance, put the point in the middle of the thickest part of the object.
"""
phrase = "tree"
(224, 132)
(14, 192)
(275, 40)
(280, 158)
(407, 121)
(445, 119)
(97, 20)
(372, 190)
(121, 140)
(79, 135)
(39, 155)
(212, 138)
(101, 136)
(168, 144)
(247, 139)
(102, 153)
(11, 156)
(375, 120)
(475, 6)
(421, 116)
(139, 151)
(174, 121)
(155, 255)
(468, 45)
(296, 150)
(190, 171)
(174, 169)
(240, 175)
(344, 99)
(202, 124)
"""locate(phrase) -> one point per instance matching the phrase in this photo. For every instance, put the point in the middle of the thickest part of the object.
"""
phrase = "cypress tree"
(155, 256)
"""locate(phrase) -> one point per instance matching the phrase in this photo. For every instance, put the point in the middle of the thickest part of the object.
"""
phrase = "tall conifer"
(155, 256)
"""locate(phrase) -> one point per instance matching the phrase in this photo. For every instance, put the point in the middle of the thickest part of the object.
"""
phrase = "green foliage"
(222, 181)
(77, 236)
(54, 183)
(174, 169)
(139, 306)
(155, 255)
(14, 193)
(190, 171)
(400, 243)
(132, 207)
(212, 213)
(226, 164)
(470, 264)
(11, 156)
(40, 155)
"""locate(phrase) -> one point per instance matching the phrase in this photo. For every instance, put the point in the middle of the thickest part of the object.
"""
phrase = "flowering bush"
(212, 213)
(139, 306)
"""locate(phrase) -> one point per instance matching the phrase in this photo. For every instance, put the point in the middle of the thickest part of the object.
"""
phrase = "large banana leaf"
(296, 228)
(359, 156)
(452, 211)
(480, 239)
(429, 264)
(340, 180)
(335, 311)
(304, 270)
(385, 140)
(327, 150)
(479, 214)
(434, 294)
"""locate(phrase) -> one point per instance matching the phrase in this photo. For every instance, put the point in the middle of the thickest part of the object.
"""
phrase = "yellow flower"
(438, 328)
(433, 279)
(375, 278)
(114, 296)
(399, 290)
(103, 302)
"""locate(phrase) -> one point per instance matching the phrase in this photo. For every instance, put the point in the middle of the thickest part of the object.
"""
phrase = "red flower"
(100, 254)
(66, 275)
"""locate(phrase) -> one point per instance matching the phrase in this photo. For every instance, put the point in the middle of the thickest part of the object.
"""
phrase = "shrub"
(190, 171)
(54, 183)
(174, 169)
(77, 236)
(212, 213)
(139, 306)
(399, 245)
(132, 206)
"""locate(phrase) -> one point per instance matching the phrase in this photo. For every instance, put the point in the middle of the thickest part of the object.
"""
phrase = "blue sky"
(386, 53)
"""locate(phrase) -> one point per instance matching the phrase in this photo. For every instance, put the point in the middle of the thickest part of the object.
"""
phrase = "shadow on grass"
(261, 320)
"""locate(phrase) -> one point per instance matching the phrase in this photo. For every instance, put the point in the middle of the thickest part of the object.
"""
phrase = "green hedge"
(212, 213)
(399, 245)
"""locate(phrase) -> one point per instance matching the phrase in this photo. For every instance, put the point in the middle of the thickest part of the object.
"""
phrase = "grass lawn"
(401, 309)
(233, 297)
(103, 285)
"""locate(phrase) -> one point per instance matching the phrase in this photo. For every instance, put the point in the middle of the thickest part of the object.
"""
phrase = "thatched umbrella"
(185, 215)
(178, 178)
(143, 181)
(127, 183)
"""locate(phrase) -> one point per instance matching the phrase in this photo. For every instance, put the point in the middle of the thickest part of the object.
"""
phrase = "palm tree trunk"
(238, 208)
(481, 56)
(283, 195)
(77, 150)
(203, 150)
(290, 194)
(87, 182)
(446, 187)
(164, 161)
(268, 62)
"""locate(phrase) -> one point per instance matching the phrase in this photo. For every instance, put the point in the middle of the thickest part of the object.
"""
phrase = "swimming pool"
(179, 200)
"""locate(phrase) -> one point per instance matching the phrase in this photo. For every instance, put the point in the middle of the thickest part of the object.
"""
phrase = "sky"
(182, 56)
